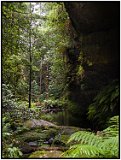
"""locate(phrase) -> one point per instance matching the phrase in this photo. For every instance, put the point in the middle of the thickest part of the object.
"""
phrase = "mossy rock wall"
(97, 38)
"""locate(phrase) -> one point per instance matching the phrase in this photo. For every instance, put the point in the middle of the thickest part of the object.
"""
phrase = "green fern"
(113, 121)
(104, 104)
(85, 138)
(113, 129)
(90, 145)
(82, 151)
(110, 147)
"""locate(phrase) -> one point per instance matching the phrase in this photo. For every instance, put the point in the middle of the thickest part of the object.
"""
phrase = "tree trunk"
(30, 54)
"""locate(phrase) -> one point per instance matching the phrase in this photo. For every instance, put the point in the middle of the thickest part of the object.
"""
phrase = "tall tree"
(30, 55)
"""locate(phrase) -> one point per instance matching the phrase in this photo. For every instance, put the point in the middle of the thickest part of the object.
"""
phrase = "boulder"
(34, 123)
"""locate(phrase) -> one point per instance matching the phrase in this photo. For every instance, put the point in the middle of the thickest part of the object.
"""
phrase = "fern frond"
(113, 121)
(74, 137)
(89, 145)
(110, 133)
(110, 146)
(83, 151)
(84, 137)
(110, 143)
(113, 129)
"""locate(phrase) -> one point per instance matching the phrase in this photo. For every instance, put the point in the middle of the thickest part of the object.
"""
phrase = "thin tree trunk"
(30, 54)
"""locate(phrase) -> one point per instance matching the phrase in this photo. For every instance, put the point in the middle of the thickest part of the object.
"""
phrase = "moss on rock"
(31, 136)
(46, 154)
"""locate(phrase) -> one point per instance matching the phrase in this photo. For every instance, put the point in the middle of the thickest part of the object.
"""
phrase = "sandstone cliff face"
(98, 31)
(90, 17)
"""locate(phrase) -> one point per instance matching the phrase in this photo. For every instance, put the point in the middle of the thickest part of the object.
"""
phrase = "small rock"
(26, 148)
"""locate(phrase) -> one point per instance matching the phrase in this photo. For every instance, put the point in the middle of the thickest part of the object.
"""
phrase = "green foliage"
(85, 137)
(49, 25)
(83, 151)
(113, 128)
(57, 83)
(52, 103)
(9, 100)
(13, 152)
(88, 145)
(14, 113)
(16, 110)
(35, 91)
(47, 117)
(21, 90)
(12, 39)
(6, 128)
(9, 151)
(16, 21)
(105, 104)
(56, 29)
